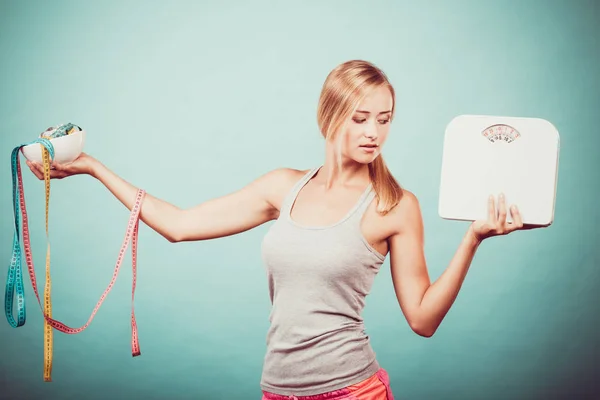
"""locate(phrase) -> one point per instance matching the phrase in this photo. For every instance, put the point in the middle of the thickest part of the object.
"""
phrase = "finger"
(39, 171)
(40, 168)
(65, 169)
(517, 219)
(515, 224)
(35, 168)
(491, 209)
(31, 167)
(59, 171)
(501, 211)
(58, 175)
(530, 226)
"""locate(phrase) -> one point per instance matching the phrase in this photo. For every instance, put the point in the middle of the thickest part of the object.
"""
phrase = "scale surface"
(488, 155)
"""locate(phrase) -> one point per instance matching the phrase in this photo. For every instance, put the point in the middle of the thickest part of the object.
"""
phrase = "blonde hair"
(343, 90)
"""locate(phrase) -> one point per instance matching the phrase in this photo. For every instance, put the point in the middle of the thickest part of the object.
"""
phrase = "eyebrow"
(367, 112)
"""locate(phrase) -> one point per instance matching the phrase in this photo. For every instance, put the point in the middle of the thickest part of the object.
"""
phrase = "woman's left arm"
(423, 303)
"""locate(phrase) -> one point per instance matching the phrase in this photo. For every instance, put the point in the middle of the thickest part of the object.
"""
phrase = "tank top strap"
(290, 198)
(362, 205)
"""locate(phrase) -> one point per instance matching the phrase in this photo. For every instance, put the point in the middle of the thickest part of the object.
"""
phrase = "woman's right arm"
(227, 215)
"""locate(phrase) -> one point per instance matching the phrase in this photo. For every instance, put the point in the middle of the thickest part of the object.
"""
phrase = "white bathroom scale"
(488, 155)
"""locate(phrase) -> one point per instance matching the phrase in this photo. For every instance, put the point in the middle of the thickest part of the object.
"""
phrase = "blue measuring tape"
(14, 281)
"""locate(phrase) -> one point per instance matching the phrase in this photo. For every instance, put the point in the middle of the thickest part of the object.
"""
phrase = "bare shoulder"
(406, 215)
(277, 183)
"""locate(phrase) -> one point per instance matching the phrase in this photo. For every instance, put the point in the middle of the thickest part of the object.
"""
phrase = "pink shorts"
(377, 387)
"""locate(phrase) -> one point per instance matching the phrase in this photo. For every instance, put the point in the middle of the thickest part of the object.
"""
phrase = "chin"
(365, 158)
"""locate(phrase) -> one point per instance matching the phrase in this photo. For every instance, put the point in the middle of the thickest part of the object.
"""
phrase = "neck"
(353, 174)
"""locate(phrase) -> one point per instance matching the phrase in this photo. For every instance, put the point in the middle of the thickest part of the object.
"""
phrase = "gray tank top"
(318, 278)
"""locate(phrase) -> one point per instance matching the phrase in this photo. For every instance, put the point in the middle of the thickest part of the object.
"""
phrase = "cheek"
(353, 135)
(383, 133)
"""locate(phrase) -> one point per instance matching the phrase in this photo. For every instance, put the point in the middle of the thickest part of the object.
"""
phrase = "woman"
(335, 225)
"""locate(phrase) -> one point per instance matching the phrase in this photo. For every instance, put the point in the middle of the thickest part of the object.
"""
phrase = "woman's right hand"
(81, 165)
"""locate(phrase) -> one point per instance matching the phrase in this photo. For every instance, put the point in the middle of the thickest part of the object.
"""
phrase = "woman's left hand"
(496, 223)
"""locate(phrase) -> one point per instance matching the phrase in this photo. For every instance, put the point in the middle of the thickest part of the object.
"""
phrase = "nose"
(370, 131)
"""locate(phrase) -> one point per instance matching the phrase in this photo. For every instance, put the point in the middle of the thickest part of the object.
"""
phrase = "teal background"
(193, 100)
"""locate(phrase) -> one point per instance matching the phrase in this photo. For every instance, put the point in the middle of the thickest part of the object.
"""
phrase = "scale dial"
(501, 133)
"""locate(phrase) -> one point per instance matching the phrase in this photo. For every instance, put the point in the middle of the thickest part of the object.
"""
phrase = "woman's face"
(368, 127)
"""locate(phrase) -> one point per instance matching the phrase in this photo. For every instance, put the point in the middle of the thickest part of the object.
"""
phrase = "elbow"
(426, 333)
(174, 237)
(174, 233)
(423, 328)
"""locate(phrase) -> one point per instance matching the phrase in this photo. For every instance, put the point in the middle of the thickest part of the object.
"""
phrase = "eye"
(384, 121)
(359, 121)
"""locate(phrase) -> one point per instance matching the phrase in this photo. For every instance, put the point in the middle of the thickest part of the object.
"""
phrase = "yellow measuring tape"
(48, 334)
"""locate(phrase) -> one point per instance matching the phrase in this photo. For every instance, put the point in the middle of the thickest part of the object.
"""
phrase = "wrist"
(93, 167)
(472, 238)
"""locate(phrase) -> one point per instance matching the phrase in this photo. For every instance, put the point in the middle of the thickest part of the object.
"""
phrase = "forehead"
(377, 100)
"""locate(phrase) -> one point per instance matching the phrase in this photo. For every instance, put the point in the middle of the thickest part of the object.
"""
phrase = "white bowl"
(66, 148)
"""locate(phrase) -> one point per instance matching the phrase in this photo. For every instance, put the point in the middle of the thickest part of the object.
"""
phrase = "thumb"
(58, 166)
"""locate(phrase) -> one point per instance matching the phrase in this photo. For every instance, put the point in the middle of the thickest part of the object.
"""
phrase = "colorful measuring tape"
(61, 130)
(15, 276)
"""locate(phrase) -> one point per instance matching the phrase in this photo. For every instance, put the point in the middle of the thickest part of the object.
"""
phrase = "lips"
(368, 145)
